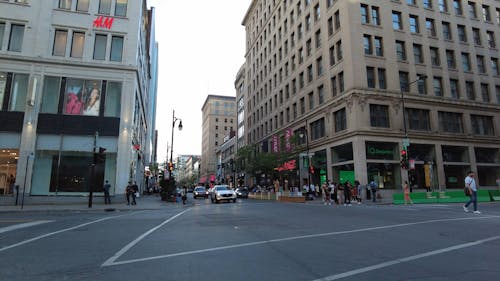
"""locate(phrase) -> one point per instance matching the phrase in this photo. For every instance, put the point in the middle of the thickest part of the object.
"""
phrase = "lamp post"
(174, 119)
(406, 141)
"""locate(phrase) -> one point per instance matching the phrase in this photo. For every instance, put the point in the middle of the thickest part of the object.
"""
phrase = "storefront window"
(386, 175)
(3, 81)
(113, 99)
(18, 94)
(8, 166)
(82, 97)
(50, 95)
(342, 153)
(487, 155)
(455, 154)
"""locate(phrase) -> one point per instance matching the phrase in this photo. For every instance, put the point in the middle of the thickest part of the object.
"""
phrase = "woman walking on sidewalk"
(406, 191)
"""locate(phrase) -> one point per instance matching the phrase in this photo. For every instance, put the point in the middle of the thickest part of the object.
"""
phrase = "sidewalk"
(146, 202)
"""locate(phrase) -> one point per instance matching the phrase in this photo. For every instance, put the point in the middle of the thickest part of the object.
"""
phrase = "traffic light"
(404, 159)
(170, 166)
(100, 157)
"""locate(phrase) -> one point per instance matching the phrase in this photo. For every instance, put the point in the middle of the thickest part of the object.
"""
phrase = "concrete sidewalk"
(146, 202)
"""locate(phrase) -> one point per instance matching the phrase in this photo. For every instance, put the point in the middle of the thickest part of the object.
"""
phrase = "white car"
(222, 192)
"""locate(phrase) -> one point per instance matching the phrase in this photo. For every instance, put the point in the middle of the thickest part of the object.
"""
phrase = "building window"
(100, 47)
(404, 81)
(447, 31)
(82, 97)
(77, 44)
(421, 85)
(485, 92)
(454, 91)
(311, 100)
(428, 4)
(332, 55)
(435, 61)
(340, 120)
(472, 10)
(379, 115)
(491, 39)
(65, 4)
(121, 8)
(340, 55)
(50, 94)
(105, 7)
(381, 78)
(414, 24)
(116, 48)
(457, 5)
(418, 119)
(443, 6)
(397, 23)
(60, 41)
(321, 95)
(82, 5)
(364, 14)
(469, 90)
(438, 86)
(466, 62)
(462, 35)
(417, 53)
(486, 13)
(400, 50)
(375, 16)
(318, 129)
(18, 93)
(482, 125)
(16, 37)
(379, 51)
(480, 64)
(450, 59)
(319, 66)
(450, 122)
(476, 36)
(367, 42)
(431, 28)
(341, 82)
(112, 107)
(333, 82)
(494, 66)
(370, 77)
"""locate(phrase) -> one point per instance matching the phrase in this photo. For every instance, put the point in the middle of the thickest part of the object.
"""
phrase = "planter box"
(294, 199)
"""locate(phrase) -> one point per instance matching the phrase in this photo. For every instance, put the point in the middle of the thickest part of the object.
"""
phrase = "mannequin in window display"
(92, 103)
(73, 101)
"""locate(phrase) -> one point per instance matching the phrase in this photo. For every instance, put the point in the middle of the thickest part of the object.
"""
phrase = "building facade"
(76, 77)
(362, 80)
(218, 120)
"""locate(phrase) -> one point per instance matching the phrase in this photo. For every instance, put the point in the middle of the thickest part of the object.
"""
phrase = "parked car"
(241, 192)
(200, 191)
(222, 192)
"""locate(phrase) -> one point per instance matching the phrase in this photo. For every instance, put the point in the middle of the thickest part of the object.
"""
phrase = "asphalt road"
(254, 240)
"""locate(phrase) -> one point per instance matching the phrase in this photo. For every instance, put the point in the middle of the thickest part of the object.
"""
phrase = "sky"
(201, 48)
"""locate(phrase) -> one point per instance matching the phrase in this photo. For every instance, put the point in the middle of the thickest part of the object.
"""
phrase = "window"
(404, 81)
(428, 4)
(50, 94)
(364, 14)
(3, 81)
(443, 6)
(82, 5)
(414, 24)
(2, 32)
(370, 76)
(435, 61)
(417, 53)
(341, 82)
(454, 92)
(321, 95)
(318, 38)
(60, 40)
(418, 119)
(457, 5)
(319, 66)
(65, 4)
(309, 73)
(486, 13)
(462, 35)
(317, 13)
(105, 7)
(447, 31)
(116, 48)
(308, 22)
(367, 42)
(400, 50)
(494, 66)
(485, 92)
(375, 16)
(340, 55)
(337, 20)
(378, 46)
(472, 10)
(18, 93)
(491, 39)
(318, 129)
(438, 86)
(121, 8)
(82, 97)
(333, 82)
(16, 37)
(330, 26)
(469, 90)
(480, 64)
(100, 47)
(332, 55)
(340, 120)
(77, 44)
(466, 62)
(112, 107)
(482, 125)
(379, 115)
(431, 28)
(311, 100)
(450, 59)
(381, 78)
(450, 122)
(397, 23)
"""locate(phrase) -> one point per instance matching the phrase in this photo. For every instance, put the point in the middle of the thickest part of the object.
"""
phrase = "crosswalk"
(22, 225)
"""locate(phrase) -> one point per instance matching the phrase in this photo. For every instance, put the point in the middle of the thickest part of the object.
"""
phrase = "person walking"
(359, 191)
(406, 191)
(470, 183)
(107, 187)
(347, 193)
(326, 194)
(128, 192)
(373, 187)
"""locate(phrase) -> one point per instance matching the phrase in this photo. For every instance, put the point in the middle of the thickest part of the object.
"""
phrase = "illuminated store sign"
(103, 22)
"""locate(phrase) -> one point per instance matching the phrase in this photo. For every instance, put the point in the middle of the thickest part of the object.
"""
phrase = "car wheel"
(234, 200)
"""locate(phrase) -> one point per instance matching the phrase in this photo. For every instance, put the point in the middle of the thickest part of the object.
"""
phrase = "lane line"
(111, 260)
(21, 225)
(111, 263)
(406, 259)
(56, 232)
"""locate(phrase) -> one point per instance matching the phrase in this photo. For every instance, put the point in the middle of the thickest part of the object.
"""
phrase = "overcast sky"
(201, 49)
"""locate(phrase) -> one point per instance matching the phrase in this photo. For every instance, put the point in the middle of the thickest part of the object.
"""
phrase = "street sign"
(311, 154)
(406, 142)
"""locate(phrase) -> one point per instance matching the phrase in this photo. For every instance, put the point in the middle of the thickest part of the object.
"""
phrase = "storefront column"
(472, 160)
(438, 163)
(360, 171)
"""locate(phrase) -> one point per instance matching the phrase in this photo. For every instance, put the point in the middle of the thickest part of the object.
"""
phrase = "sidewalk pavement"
(146, 202)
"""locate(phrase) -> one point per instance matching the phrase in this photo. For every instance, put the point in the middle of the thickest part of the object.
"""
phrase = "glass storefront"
(383, 164)
(8, 168)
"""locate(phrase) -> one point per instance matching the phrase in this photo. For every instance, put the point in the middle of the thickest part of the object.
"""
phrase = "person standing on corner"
(129, 191)
(406, 191)
(107, 187)
(373, 187)
(470, 183)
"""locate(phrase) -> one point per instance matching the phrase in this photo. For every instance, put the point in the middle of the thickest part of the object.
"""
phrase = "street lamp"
(174, 119)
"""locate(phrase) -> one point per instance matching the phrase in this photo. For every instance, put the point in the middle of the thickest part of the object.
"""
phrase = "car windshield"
(199, 189)
(223, 187)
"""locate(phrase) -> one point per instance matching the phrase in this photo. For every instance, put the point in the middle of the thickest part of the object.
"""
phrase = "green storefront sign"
(379, 152)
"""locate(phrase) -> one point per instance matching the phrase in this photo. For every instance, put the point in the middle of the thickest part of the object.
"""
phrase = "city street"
(253, 240)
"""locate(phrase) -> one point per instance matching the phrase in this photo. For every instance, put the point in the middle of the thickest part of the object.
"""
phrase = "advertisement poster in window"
(82, 97)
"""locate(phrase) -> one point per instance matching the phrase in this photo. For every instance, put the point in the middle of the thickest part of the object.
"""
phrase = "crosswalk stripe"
(21, 225)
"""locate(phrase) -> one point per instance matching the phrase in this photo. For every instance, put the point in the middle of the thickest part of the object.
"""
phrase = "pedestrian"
(184, 195)
(326, 194)
(373, 188)
(107, 187)
(11, 181)
(135, 193)
(406, 191)
(359, 191)
(471, 185)
(128, 192)
(347, 193)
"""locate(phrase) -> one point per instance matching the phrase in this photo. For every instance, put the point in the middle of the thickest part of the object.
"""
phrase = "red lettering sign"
(103, 22)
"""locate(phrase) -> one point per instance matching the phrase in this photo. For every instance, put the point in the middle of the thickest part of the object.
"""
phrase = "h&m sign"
(103, 22)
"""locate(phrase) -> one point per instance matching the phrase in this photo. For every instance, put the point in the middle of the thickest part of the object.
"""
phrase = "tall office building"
(362, 80)
(76, 76)
(218, 120)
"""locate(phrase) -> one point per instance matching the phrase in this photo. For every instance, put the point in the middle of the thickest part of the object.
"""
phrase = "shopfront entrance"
(8, 169)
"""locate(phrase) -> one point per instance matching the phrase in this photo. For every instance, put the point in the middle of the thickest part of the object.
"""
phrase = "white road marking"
(54, 233)
(406, 259)
(21, 225)
(111, 261)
